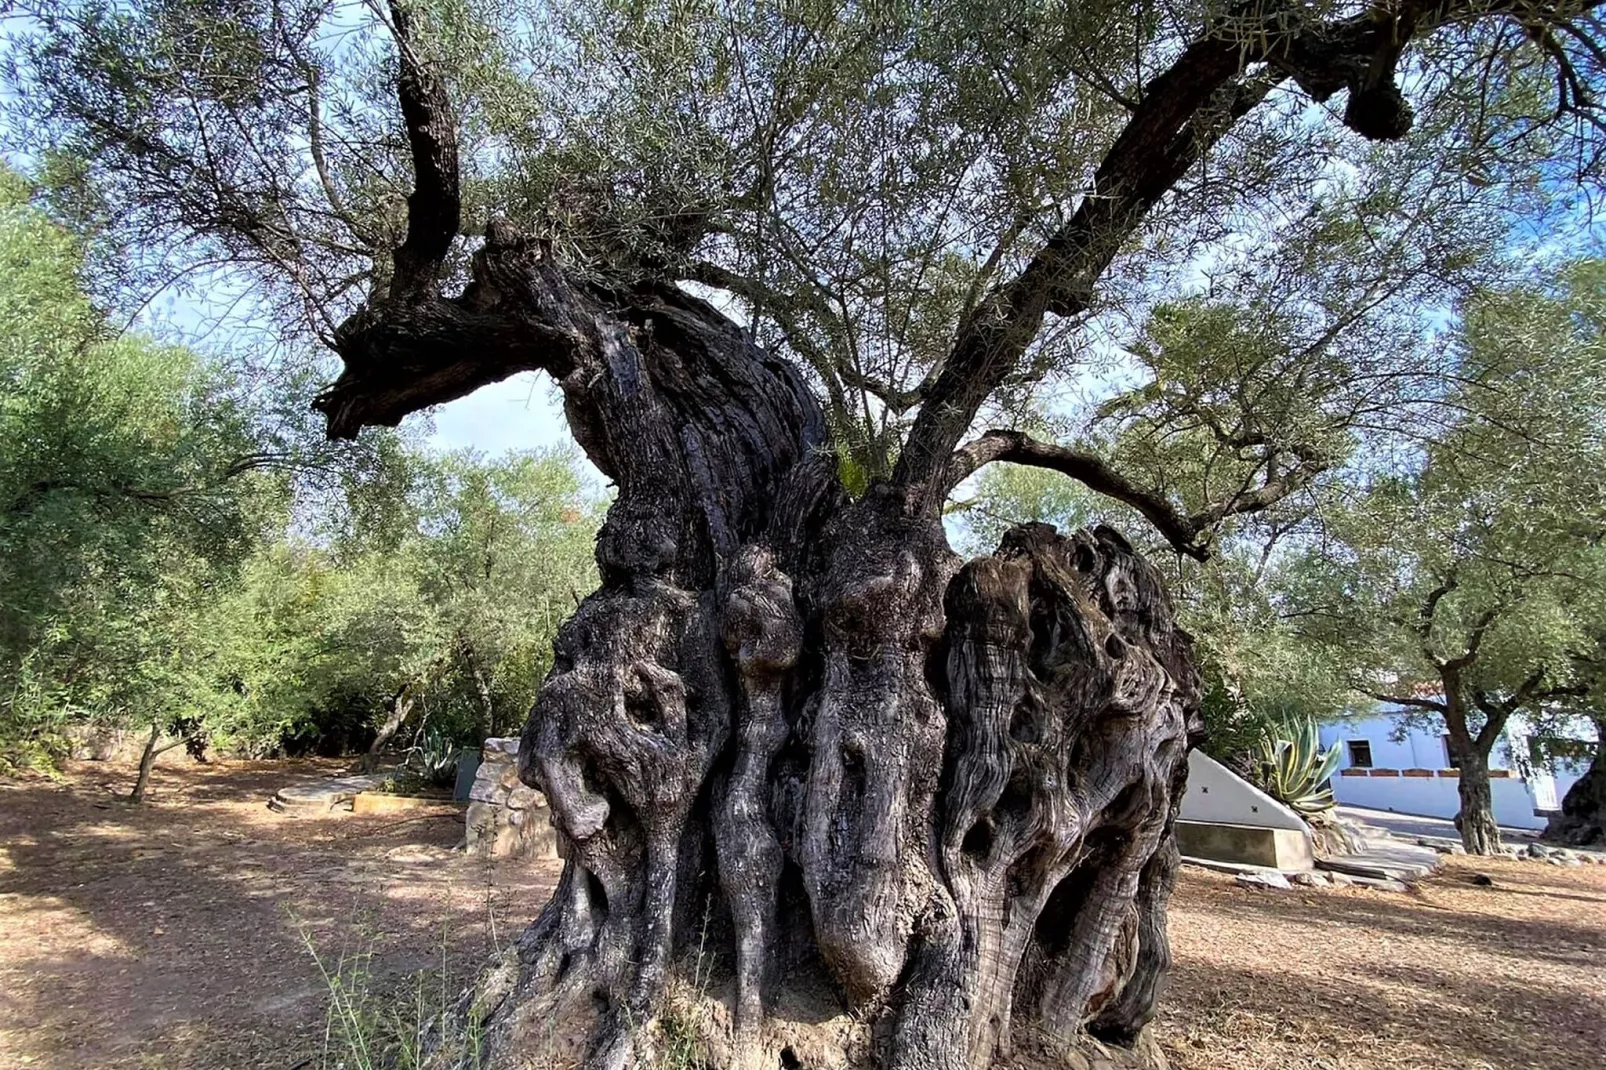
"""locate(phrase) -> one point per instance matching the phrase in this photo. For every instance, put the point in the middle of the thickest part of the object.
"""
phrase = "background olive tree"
(177, 560)
(1468, 588)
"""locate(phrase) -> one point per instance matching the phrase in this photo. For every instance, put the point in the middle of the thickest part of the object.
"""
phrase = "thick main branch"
(1183, 113)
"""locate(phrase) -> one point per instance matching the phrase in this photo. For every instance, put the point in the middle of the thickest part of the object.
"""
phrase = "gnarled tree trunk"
(791, 738)
(1480, 833)
(1582, 821)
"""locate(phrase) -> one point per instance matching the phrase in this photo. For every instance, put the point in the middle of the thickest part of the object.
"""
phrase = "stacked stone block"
(506, 818)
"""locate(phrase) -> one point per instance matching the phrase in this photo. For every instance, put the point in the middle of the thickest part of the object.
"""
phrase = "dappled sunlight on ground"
(173, 936)
(1450, 975)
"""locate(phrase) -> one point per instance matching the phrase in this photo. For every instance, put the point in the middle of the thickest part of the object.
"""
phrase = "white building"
(1388, 763)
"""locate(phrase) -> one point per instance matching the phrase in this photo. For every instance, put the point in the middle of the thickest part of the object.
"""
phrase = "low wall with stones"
(506, 818)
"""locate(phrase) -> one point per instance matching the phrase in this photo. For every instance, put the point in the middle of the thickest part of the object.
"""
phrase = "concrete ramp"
(1382, 855)
(1225, 818)
(1217, 795)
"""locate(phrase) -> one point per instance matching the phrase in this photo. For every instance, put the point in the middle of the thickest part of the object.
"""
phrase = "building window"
(1360, 753)
(1450, 760)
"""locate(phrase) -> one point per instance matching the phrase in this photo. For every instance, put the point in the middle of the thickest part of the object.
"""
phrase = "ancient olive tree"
(1581, 817)
(784, 260)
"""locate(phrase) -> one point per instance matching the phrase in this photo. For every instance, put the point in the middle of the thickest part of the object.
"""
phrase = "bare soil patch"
(1448, 975)
(170, 937)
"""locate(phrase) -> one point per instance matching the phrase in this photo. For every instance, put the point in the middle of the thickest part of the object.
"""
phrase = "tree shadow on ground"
(172, 935)
(1395, 1015)
(1415, 916)
(1449, 975)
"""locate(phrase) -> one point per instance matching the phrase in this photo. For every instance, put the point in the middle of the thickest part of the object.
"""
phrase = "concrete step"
(1252, 876)
(1380, 867)
(315, 797)
(1254, 845)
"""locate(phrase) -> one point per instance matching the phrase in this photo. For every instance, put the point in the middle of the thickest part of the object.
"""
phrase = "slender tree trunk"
(146, 761)
(482, 688)
(400, 707)
(191, 739)
(1582, 821)
(914, 813)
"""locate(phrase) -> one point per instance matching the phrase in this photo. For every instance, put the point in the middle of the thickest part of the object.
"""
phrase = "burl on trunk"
(862, 803)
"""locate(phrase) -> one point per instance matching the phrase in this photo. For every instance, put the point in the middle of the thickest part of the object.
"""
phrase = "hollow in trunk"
(852, 800)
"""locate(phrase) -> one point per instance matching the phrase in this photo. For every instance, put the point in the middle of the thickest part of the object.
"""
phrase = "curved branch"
(1087, 468)
(1498, 712)
(1405, 700)
(1474, 640)
(434, 208)
(403, 356)
(1182, 114)
(1182, 531)
(1430, 606)
(1149, 157)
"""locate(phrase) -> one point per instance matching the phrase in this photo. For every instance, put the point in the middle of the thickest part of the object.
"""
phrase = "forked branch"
(1182, 114)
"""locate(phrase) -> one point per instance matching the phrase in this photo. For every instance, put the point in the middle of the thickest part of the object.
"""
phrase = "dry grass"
(165, 938)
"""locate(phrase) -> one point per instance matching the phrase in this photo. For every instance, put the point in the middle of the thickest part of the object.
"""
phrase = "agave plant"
(1295, 770)
(435, 758)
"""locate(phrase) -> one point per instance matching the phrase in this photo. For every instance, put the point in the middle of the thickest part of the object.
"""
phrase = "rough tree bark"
(1480, 833)
(889, 808)
(1582, 821)
(790, 729)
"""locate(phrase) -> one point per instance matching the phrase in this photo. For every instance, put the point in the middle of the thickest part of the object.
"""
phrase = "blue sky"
(522, 412)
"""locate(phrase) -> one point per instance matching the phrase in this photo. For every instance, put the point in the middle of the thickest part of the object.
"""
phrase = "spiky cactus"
(1294, 769)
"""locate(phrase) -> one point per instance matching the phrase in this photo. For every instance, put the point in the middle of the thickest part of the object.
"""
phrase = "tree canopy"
(800, 270)
(946, 215)
(1481, 569)
(1475, 540)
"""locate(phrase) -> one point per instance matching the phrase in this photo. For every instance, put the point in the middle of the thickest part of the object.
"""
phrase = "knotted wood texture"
(791, 747)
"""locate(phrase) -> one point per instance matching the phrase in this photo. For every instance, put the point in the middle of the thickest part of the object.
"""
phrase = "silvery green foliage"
(851, 180)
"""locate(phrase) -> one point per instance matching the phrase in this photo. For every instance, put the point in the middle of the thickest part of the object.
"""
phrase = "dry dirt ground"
(172, 937)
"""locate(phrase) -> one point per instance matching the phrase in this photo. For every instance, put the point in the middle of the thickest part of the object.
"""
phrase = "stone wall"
(99, 743)
(506, 818)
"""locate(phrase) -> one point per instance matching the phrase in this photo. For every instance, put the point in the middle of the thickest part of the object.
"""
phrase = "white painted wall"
(1567, 774)
(1216, 794)
(1436, 797)
(1515, 798)
(1417, 749)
